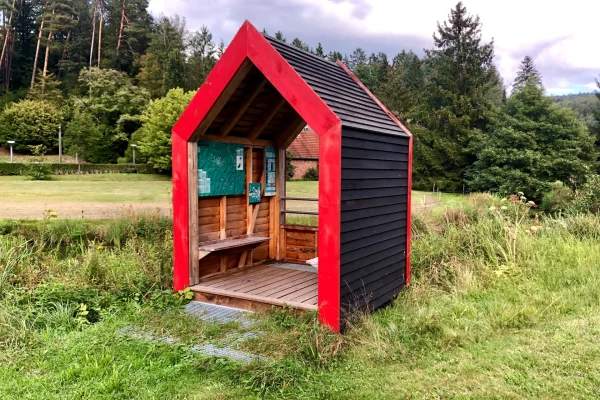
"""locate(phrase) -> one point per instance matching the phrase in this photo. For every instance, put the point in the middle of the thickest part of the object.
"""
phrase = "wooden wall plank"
(193, 214)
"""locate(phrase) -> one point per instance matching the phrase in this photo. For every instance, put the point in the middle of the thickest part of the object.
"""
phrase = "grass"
(504, 304)
(495, 310)
(105, 188)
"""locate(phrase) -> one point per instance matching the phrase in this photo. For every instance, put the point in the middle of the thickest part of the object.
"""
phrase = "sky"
(563, 39)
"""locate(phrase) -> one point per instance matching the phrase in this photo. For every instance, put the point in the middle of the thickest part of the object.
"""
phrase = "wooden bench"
(213, 246)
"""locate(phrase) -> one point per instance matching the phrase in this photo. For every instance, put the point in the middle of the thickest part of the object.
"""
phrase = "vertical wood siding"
(373, 221)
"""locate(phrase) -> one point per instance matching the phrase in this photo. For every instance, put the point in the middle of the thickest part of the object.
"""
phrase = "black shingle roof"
(354, 107)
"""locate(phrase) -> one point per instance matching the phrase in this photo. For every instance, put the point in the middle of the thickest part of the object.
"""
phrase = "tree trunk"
(100, 32)
(93, 33)
(48, 46)
(121, 27)
(37, 49)
(6, 34)
(64, 54)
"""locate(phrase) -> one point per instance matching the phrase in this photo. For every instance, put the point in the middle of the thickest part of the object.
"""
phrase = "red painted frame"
(410, 154)
(250, 44)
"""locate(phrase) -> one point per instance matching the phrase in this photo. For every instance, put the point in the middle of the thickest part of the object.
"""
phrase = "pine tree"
(202, 50)
(279, 36)
(163, 65)
(319, 51)
(527, 71)
(457, 103)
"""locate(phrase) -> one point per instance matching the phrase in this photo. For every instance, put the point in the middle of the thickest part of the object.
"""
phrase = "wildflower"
(531, 204)
(492, 208)
(504, 208)
(100, 247)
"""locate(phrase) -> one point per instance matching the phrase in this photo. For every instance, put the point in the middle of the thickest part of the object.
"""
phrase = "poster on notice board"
(270, 172)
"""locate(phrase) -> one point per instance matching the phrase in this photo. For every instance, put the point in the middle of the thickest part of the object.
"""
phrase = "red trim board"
(410, 154)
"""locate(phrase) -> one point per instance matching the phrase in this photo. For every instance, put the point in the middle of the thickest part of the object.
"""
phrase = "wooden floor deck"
(260, 287)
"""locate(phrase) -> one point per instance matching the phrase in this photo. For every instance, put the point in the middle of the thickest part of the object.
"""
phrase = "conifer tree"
(527, 71)
(457, 103)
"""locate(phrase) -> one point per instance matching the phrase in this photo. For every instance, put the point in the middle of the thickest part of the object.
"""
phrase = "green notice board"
(220, 169)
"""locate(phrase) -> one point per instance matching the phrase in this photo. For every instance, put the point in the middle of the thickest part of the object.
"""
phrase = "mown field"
(504, 303)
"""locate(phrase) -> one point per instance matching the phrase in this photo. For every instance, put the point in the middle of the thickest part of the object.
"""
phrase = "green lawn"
(112, 188)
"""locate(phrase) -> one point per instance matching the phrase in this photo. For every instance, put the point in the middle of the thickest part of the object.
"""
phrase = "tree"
(30, 123)
(60, 21)
(527, 72)
(83, 136)
(39, 41)
(402, 92)
(163, 66)
(154, 137)
(202, 57)
(532, 145)
(457, 105)
(114, 103)
(279, 36)
(319, 51)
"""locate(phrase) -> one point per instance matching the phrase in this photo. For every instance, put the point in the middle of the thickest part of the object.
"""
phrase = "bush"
(30, 122)
(290, 168)
(154, 137)
(587, 197)
(16, 169)
(558, 199)
(37, 171)
(312, 174)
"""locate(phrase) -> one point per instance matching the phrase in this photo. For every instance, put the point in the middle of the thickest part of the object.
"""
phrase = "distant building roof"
(306, 145)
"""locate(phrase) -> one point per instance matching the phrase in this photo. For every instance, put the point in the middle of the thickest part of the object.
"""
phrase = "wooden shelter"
(229, 202)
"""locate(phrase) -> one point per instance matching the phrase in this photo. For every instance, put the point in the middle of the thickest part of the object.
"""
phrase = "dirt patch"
(87, 210)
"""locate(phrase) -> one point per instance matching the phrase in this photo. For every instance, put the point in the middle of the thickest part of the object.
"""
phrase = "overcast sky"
(563, 39)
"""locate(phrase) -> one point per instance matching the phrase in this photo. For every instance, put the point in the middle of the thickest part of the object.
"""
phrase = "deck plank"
(262, 285)
(258, 281)
(306, 293)
(282, 284)
(237, 279)
(292, 285)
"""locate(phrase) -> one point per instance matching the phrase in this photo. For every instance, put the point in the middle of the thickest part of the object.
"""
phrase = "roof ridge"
(298, 49)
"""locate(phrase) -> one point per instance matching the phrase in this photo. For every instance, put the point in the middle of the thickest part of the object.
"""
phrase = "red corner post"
(327, 125)
(184, 129)
(181, 229)
(410, 156)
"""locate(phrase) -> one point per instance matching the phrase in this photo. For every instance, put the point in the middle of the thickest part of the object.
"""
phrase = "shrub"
(312, 174)
(16, 169)
(154, 137)
(30, 122)
(290, 168)
(587, 197)
(558, 199)
(37, 171)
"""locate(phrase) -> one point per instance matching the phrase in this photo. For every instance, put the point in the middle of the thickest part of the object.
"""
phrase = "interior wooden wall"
(209, 224)
(261, 227)
(300, 243)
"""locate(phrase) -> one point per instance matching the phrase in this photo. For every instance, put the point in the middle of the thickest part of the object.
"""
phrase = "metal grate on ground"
(297, 267)
(220, 314)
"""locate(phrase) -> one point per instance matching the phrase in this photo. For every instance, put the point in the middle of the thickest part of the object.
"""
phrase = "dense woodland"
(111, 75)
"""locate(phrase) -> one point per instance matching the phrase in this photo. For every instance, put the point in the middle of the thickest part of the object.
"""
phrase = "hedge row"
(68, 169)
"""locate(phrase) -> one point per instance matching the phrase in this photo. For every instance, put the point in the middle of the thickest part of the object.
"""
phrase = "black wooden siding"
(355, 108)
(373, 221)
